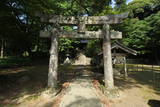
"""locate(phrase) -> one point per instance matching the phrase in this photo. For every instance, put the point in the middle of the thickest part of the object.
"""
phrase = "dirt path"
(130, 98)
(81, 93)
(134, 94)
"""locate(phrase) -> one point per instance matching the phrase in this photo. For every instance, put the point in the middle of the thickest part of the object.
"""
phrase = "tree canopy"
(19, 27)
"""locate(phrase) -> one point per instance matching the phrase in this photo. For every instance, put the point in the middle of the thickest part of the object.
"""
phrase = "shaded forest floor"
(28, 84)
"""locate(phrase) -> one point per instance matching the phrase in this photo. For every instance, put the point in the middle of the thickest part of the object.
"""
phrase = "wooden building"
(119, 54)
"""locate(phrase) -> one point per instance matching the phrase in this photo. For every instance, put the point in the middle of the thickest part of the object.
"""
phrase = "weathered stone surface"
(71, 20)
(67, 61)
(53, 63)
(81, 27)
(82, 60)
(86, 34)
(81, 94)
(108, 70)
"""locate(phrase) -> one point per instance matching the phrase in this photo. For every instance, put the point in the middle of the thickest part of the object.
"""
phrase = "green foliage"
(154, 22)
(120, 6)
(94, 47)
(140, 8)
(141, 30)
(14, 62)
(136, 34)
(77, 7)
(156, 2)
(66, 44)
(107, 10)
(154, 45)
(67, 47)
(19, 27)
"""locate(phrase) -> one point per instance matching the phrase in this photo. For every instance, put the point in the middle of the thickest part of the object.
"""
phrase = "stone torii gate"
(81, 22)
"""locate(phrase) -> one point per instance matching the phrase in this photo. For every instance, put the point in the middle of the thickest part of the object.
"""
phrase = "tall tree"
(140, 8)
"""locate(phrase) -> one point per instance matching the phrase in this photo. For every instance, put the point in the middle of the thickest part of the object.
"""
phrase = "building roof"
(118, 45)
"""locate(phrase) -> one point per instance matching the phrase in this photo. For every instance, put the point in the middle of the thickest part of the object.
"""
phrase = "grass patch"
(147, 93)
(32, 97)
(139, 67)
(8, 105)
(14, 62)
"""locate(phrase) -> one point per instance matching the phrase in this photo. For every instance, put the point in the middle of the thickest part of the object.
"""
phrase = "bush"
(94, 47)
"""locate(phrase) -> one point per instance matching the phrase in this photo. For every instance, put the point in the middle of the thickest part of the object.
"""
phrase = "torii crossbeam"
(88, 34)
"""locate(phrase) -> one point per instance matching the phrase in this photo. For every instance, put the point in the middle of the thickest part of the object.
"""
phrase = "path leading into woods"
(81, 93)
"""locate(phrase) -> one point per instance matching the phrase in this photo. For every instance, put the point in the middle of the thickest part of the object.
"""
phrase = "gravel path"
(81, 93)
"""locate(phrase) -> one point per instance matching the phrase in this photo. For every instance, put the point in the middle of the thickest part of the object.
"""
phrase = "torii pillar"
(53, 62)
(107, 58)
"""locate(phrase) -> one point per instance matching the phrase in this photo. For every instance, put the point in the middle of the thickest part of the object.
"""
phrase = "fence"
(144, 72)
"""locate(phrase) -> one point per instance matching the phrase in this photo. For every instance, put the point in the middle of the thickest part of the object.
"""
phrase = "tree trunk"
(53, 63)
(108, 70)
(2, 48)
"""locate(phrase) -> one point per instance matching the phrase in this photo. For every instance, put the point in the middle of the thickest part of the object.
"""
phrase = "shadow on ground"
(135, 79)
(154, 103)
(149, 78)
(17, 82)
(82, 102)
(69, 73)
(32, 80)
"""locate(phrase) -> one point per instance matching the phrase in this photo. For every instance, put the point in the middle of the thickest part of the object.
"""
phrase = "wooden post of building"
(2, 49)
(53, 63)
(108, 70)
(125, 68)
